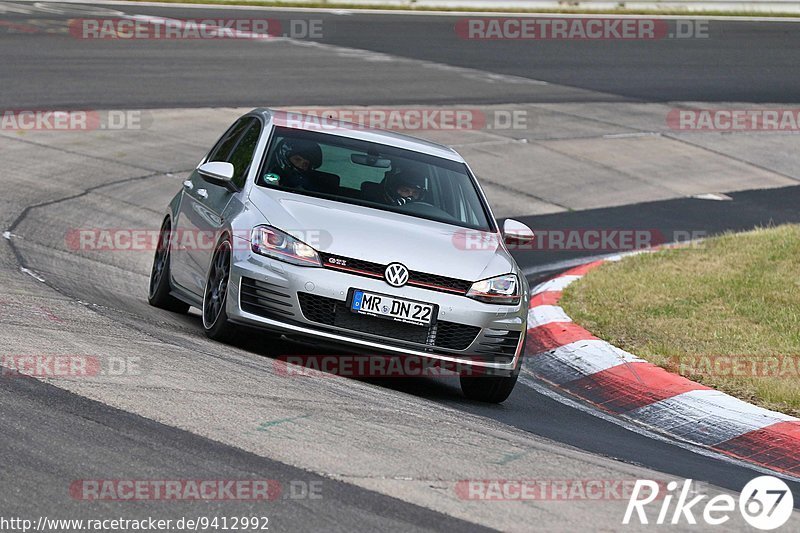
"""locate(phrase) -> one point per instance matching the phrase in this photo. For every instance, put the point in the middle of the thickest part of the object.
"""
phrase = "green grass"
(735, 296)
(378, 5)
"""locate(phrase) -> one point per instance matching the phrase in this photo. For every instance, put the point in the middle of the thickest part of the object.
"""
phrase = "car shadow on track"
(299, 358)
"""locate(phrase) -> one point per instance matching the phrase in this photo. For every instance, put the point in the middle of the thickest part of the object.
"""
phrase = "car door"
(200, 218)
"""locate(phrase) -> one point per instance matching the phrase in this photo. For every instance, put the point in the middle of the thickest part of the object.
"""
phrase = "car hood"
(384, 237)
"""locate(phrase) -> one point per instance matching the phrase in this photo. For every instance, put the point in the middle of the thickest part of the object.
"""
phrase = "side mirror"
(218, 173)
(516, 233)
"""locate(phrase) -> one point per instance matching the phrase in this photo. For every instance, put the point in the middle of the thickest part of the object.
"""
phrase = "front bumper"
(276, 296)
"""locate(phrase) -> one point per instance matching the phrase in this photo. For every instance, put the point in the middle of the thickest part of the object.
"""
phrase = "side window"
(226, 143)
(242, 155)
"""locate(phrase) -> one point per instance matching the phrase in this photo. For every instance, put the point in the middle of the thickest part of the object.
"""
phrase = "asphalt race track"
(386, 454)
(737, 62)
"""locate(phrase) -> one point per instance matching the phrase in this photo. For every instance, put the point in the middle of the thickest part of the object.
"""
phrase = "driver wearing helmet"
(295, 159)
(405, 185)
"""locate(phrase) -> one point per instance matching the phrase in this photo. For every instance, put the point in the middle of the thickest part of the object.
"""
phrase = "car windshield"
(373, 175)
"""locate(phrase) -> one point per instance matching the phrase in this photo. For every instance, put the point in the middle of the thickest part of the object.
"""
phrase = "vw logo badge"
(396, 275)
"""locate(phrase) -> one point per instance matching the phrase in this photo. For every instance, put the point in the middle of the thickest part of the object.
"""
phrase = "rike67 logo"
(766, 503)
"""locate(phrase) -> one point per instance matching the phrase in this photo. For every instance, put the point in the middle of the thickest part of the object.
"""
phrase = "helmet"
(411, 178)
(292, 175)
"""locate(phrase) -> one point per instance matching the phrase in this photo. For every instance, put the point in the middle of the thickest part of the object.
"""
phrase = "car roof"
(307, 122)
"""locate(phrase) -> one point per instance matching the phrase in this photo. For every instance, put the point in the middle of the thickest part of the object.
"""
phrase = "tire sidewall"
(163, 286)
(221, 320)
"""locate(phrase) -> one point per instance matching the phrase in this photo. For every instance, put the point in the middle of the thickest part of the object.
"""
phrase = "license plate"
(382, 306)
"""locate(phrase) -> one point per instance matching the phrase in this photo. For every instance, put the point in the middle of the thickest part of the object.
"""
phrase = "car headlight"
(502, 290)
(274, 243)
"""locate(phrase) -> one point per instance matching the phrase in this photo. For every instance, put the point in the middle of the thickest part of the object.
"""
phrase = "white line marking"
(579, 359)
(632, 135)
(18, 8)
(546, 314)
(32, 274)
(358, 53)
(712, 196)
(63, 8)
(706, 416)
(380, 57)
(555, 284)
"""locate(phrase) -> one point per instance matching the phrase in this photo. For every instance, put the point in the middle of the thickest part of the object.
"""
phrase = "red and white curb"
(566, 356)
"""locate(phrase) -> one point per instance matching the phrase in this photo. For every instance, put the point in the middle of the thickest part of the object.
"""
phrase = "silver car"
(368, 240)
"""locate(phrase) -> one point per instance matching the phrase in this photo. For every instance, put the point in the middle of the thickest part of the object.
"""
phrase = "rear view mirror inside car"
(370, 161)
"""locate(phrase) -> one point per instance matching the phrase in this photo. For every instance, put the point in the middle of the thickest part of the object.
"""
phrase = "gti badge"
(396, 275)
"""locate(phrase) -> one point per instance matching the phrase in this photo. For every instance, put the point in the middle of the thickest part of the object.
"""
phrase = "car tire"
(489, 389)
(159, 292)
(215, 295)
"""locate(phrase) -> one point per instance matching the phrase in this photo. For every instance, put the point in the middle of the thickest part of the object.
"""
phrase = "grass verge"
(725, 313)
(394, 7)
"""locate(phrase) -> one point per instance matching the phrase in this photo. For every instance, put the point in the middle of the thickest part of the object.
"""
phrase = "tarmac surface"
(389, 454)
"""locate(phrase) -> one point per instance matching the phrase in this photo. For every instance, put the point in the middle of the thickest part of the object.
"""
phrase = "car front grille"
(330, 312)
(359, 267)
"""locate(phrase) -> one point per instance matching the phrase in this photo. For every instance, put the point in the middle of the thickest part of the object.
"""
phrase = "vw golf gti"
(351, 237)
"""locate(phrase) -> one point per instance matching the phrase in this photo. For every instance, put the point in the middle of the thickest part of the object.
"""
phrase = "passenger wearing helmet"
(294, 160)
(405, 185)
